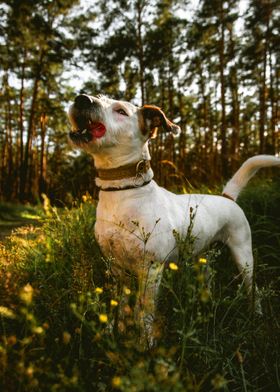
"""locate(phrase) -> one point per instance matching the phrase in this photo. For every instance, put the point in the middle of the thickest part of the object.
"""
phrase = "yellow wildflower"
(205, 295)
(99, 290)
(85, 198)
(127, 291)
(202, 260)
(113, 302)
(26, 293)
(173, 266)
(116, 382)
(6, 312)
(38, 330)
(66, 337)
(29, 371)
(103, 318)
(219, 381)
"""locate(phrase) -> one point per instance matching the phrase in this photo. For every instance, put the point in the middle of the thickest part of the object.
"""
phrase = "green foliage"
(212, 67)
(68, 325)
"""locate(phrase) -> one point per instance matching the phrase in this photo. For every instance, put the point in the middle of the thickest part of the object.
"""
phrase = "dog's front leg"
(149, 280)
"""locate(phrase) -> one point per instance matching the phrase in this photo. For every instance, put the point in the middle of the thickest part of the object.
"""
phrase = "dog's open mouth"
(93, 130)
(97, 130)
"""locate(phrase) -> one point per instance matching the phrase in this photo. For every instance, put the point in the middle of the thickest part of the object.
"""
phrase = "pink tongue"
(98, 130)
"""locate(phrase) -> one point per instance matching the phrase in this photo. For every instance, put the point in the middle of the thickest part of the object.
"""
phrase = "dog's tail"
(246, 172)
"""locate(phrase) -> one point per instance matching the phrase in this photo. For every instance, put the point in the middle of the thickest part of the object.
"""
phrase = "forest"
(68, 322)
(213, 67)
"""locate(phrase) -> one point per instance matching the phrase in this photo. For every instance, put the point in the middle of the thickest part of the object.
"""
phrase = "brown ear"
(152, 118)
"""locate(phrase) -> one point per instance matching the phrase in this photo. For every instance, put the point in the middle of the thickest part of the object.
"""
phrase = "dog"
(136, 219)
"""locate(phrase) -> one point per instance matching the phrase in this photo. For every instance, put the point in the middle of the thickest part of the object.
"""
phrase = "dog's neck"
(124, 172)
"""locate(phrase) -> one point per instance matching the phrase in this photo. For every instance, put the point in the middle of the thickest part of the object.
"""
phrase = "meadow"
(63, 328)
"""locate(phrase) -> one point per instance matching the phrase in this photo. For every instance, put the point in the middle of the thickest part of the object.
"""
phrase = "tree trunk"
(139, 9)
(263, 91)
(273, 106)
(224, 157)
(7, 159)
(233, 79)
(27, 153)
(43, 160)
(21, 129)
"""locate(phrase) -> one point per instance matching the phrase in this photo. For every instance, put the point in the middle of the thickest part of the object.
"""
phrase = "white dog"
(136, 218)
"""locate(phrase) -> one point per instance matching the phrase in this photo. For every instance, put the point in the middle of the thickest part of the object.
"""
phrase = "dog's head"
(103, 126)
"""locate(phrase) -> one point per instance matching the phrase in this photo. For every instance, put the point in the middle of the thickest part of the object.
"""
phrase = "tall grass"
(68, 325)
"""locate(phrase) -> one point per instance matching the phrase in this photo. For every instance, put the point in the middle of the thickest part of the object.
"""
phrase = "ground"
(14, 216)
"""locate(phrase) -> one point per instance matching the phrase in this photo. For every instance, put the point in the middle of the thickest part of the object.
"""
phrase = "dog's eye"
(122, 112)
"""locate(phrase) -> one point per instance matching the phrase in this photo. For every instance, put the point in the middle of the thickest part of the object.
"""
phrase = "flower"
(173, 266)
(99, 290)
(202, 260)
(38, 330)
(113, 302)
(103, 318)
(26, 294)
(127, 291)
(85, 197)
(205, 295)
(6, 312)
(30, 371)
(66, 337)
(116, 382)
(219, 381)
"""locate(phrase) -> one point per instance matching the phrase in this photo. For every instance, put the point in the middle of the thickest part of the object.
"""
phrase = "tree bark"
(139, 9)
(233, 78)
(30, 131)
(224, 157)
(43, 160)
(263, 90)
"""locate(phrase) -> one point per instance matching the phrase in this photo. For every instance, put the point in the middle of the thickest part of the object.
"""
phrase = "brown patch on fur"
(147, 125)
(141, 122)
(151, 118)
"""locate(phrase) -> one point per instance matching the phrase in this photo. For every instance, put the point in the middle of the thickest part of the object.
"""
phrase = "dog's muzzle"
(85, 113)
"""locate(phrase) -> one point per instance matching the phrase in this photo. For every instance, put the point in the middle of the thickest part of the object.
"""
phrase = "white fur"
(136, 226)
(247, 171)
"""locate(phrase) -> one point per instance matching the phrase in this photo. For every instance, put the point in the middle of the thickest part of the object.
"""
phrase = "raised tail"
(246, 172)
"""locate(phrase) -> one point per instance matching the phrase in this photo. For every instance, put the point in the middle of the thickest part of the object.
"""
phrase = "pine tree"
(261, 66)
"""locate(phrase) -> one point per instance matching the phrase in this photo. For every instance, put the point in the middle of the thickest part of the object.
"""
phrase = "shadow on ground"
(15, 216)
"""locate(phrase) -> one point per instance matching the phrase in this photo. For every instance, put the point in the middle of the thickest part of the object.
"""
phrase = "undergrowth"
(68, 325)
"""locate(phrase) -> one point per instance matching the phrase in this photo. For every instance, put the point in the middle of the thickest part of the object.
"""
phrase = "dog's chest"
(138, 224)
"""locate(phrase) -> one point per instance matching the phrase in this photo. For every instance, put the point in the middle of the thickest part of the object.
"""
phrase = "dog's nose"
(83, 101)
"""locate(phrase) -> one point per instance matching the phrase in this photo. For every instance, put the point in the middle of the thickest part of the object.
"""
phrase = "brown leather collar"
(137, 169)
(113, 189)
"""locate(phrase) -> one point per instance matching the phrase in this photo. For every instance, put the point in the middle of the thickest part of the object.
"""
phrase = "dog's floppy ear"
(152, 118)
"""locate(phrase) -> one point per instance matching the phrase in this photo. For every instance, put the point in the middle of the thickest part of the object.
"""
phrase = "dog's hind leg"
(242, 254)
(240, 244)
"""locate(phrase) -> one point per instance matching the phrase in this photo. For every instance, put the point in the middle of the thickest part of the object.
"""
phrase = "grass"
(67, 325)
